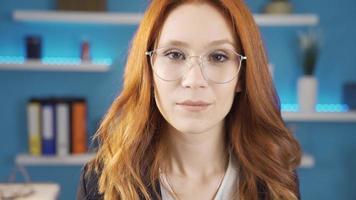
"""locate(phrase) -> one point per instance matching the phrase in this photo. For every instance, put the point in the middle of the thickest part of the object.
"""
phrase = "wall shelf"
(29, 160)
(77, 17)
(287, 19)
(73, 160)
(39, 66)
(134, 18)
(319, 117)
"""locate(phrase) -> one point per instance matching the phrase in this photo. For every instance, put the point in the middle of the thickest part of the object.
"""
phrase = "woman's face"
(193, 104)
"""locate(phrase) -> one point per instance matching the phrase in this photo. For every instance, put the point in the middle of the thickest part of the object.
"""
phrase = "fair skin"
(197, 157)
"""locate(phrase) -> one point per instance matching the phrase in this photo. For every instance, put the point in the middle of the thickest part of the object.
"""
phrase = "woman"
(198, 116)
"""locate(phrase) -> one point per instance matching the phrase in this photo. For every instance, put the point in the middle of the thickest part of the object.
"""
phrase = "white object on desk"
(30, 191)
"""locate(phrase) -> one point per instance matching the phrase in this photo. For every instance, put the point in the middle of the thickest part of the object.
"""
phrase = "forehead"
(196, 24)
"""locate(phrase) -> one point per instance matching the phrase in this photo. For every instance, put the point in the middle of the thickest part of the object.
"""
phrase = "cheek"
(162, 96)
(224, 100)
(225, 95)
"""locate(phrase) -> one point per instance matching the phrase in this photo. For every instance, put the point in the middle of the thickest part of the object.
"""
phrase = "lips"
(193, 105)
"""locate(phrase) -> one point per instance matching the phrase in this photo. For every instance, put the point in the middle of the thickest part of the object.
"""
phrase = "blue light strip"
(289, 107)
(54, 60)
(319, 108)
(61, 61)
(332, 108)
(11, 59)
(103, 61)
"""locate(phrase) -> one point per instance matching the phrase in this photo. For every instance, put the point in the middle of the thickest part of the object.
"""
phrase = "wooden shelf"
(39, 66)
(319, 117)
(135, 18)
(72, 160)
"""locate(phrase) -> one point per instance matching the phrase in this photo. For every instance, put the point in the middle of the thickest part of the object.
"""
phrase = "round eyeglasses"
(218, 65)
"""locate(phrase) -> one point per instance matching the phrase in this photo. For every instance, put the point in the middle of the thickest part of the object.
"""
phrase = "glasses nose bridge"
(190, 66)
(199, 59)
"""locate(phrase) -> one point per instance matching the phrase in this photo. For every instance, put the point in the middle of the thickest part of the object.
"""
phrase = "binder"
(62, 127)
(78, 126)
(48, 128)
(34, 126)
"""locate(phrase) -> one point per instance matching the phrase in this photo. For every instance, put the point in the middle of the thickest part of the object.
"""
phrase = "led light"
(332, 108)
(102, 61)
(289, 107)
(319, 108)
(54, 60)
(61, 61)
(75, 61)
(11, 59)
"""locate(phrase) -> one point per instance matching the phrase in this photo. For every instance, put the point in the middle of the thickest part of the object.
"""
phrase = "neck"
(196, 154)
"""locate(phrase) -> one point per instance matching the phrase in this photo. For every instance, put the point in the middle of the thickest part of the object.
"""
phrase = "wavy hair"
(130, 146)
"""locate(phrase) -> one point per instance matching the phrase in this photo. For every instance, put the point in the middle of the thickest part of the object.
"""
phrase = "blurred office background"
(331, 143)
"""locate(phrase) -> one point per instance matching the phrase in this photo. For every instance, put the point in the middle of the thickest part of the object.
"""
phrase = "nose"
(194, 77)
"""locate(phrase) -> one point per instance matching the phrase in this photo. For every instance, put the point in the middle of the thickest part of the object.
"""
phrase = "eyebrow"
(212, 43)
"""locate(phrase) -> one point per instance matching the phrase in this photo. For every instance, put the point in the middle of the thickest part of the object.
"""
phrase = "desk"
(30, 191)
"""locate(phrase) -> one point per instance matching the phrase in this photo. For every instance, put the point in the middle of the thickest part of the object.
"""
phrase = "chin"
(191, 132)
(191, 127)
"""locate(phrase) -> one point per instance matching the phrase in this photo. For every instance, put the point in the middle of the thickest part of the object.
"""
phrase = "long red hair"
(130, 146)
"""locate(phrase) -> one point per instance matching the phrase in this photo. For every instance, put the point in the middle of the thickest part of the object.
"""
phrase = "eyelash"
(220, 54)
(171, 52)
(181, 55)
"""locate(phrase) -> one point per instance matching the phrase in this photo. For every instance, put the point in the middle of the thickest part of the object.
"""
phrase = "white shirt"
(226, 189)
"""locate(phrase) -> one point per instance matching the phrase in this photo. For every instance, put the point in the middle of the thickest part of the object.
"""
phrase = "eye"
(175, 55)
(218, 57)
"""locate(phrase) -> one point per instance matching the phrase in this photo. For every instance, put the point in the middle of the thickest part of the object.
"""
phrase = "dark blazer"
(88, 187)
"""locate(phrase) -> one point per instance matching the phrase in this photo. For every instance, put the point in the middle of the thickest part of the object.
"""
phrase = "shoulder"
(88, 184)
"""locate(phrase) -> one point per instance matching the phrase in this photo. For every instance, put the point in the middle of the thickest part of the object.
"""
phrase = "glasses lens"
(221, 65)
(169, 63)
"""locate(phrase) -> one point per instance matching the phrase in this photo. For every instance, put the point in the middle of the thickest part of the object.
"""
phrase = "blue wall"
(332, 144)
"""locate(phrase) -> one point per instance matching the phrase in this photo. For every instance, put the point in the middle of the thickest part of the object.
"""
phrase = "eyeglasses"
(218, 65)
